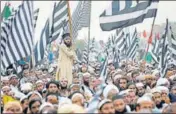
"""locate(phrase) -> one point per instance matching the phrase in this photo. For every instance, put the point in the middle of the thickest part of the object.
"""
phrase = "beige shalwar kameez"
(67, 56)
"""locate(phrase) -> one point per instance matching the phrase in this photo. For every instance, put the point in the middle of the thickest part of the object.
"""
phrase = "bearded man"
(67, 56)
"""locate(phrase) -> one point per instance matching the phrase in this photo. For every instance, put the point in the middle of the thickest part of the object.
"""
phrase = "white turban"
(86, 74)
(144, 99)
(163, 89)
(103, 102)
(109, 88)
(155, 90)
(162, 81)
(26, 86)
(139, 84)
(4, 78)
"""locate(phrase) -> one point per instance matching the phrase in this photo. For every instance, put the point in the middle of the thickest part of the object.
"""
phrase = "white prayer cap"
(163, 89)
(139, 84)
(117, 77)
(5, 87)
(51, 70)
(34, 92)
(110, 61)
(77, 95)
(4, 78)
(173, 87)
(129, 74)
(140, 77)
(109, 88)
(74, 85)
(155, 90)
(23, 98)
(26, 86)
(39, 81)
(13, 75)
(150, 95)
(71, 108)
(64, 102)
(155, 72)
(144, 99)
(90, 69)
(119, 70)
(124, 92)
(100, 105)
(46, 104)
(162, 81)
(86, 74)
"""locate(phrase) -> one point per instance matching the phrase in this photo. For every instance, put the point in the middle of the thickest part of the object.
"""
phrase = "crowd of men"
(135, 87)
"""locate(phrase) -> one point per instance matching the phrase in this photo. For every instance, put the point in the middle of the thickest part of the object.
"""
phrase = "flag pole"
(70, 27)
(69, 19)
(89, 35)
(151, 32)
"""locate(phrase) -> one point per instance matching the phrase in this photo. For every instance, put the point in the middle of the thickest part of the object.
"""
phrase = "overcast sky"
(166, 9)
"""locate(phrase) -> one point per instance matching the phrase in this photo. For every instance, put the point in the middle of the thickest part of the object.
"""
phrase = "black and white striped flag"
(36, 12)
(121, 14)
(92, 46)
(20, 35)
(120, 41)
(85, 55)
(80, 17)
(165, 54)
(173, 46)
(85, 52)
(78, 53)
(52, 30)
(5, 30)
(132, 50)
(128, 40)
(156, 49)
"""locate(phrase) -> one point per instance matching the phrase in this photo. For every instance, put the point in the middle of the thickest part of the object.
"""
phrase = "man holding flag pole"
(67, 55)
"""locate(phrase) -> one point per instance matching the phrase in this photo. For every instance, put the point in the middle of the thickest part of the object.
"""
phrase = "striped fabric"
(116, 59)
(121, 14)
(128, 40)
(85, 52)
(92, 46)
(156, 49)
(52, 30)
(78, 53)
(20, 35)
(36, 12)
(5, 29)
(131, 52)
(120, 41)
(80, 17)
(85, 55)
(165, 53)
(6, 26)
(173, 46)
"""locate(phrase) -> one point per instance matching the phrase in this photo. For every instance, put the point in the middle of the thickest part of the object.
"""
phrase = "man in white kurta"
(67, 56)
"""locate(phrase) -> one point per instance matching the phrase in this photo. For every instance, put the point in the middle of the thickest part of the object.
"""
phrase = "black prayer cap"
(65, 35)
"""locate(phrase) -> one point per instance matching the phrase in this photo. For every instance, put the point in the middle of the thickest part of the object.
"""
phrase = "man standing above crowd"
(67, 56)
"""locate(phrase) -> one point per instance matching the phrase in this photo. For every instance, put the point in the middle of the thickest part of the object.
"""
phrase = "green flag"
(148, 57)
(6, 11)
